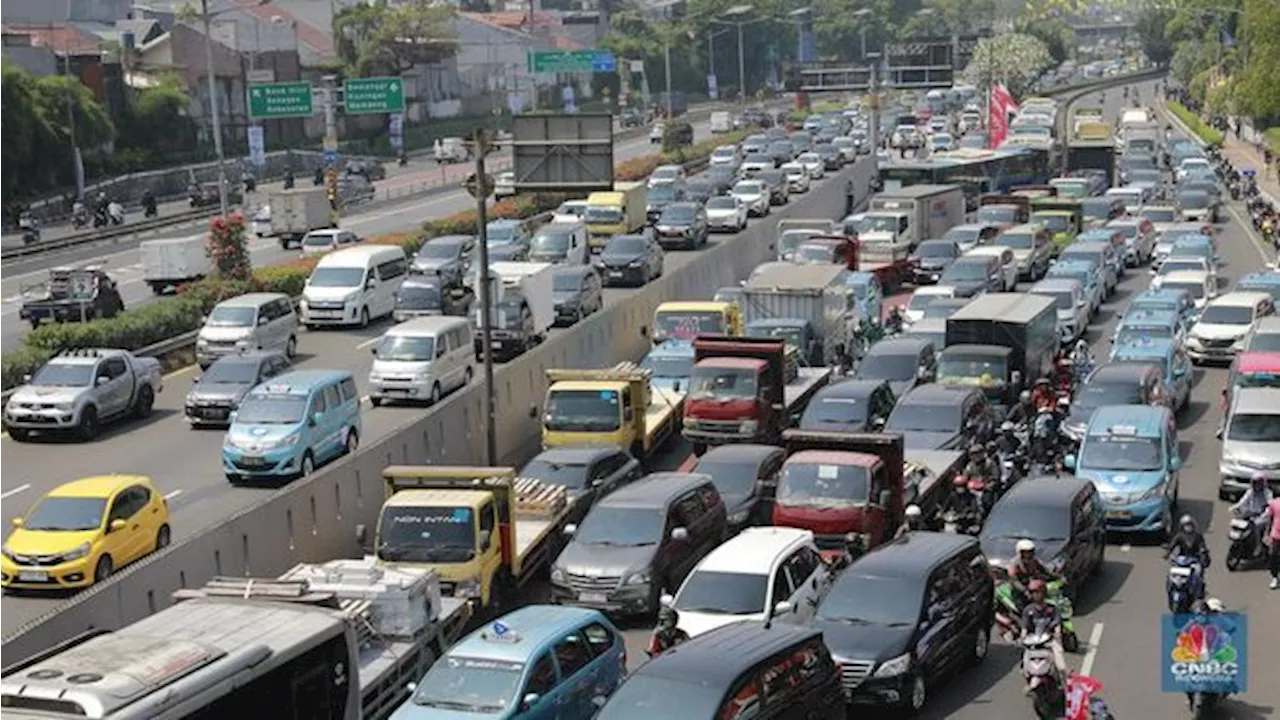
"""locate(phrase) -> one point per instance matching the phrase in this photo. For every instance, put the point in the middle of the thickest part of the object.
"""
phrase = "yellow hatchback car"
(81, 532)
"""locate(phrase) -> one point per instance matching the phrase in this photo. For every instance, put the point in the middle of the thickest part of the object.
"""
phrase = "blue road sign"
(604, 61)
(330, 157)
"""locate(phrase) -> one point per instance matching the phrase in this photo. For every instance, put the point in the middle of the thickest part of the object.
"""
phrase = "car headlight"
(1153, 493)
(202, 343)
(557, 575)
(65, 407)
(894, 667)
(467, 588)
(750, 426)
(640, 578)
(739, 517)
(286, 441)
(80, 551)
(351, 297)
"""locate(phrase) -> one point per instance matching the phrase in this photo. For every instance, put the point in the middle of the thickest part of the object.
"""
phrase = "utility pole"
(666, 50)
(77, 163)
(213, 108)
(742, 68)
(480, 188)
(873, 91)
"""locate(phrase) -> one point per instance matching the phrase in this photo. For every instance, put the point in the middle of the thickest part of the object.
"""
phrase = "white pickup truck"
(79, 390)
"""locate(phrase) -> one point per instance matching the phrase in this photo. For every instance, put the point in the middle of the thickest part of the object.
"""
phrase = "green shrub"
(1208, 134)
(132, 329)
(14, 364)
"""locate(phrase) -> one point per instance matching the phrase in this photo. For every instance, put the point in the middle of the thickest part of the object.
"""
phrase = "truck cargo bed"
(807, 382)
(541, 509)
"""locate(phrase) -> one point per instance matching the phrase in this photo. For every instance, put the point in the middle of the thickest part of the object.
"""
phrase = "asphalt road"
(125, 265)
(164, 445)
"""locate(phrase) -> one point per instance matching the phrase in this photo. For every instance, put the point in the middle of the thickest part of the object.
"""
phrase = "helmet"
(1215, 605)
(1186, 521)
(1082, 345)
(976, 449)
(1042, 382)
(1006, 426)
(1259, 480)
(1064, 363)
(977, 484)
(1064, 402)
(1036, 585)
(1024, 396)
(960, 481)
(1026, 545)
(913, 511)
(668, 617)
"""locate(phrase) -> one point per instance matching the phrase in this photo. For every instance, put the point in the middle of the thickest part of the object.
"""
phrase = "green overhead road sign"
(268, 101)
(575, 61)
(373, 95)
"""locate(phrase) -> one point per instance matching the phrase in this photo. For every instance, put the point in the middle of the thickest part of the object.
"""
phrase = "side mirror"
(1175, 464)
(486, 537)
(26, 378)
(667, 600)
(570, 529)
(16, 522)
(1069, 461)
(922, 372)
(675, 386)
(362, 535)
(783, 608)
(885, 497)
(644, 331)
(1016, 377)
(370, 284)
(679, 534)
(195, 380)
(262, 320)
(117, 524)
(599, 701)
(411, 686)
(101, 380)
(373, 351)
(528, 701)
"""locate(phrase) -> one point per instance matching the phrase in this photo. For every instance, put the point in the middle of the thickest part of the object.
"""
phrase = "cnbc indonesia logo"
(1207, 654)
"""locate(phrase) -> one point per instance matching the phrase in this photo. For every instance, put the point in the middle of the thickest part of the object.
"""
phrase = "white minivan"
(721, 122)
(422, 360)
(353, 286)
(561, 243)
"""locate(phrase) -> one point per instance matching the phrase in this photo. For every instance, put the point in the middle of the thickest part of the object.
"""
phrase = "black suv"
(904, 614)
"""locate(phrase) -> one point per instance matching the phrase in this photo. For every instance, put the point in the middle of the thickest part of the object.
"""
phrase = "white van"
(721, 122)
(253, 321)
(421, 360)
(560, 243)
(353, 286)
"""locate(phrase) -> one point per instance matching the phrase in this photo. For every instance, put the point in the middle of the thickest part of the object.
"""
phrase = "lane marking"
(368, 342)
(172, 494)
(14, 491)
(1095, 639)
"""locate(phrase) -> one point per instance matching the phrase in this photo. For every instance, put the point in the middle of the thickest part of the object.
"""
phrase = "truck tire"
(145, 401)
(88, 427)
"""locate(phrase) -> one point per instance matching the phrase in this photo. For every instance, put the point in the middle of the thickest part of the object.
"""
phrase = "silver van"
(253, 321)
(421, 360)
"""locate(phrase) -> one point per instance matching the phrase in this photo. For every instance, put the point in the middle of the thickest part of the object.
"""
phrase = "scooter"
(115, 211)
(1044, 680)
(1185, 584)
(1247, 548)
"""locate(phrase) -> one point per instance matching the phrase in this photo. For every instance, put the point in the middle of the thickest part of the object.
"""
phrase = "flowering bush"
(1014, 59)
(228, 248)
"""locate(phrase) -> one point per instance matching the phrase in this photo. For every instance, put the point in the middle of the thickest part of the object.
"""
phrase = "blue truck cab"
(670, 363)
(1142, 323)
(541, 662)
(292, 424)
(1131, 454)
(1267, 282)
(1090, 279)
(868, 294)
(1165, 355)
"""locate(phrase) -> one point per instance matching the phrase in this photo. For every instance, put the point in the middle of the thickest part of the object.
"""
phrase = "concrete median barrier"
(314, 519)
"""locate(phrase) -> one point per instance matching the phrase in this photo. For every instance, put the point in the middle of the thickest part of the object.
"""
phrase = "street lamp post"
(862, 31)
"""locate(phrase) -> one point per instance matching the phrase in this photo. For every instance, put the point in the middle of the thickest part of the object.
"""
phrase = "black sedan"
(937, 417)
(682, 224)
(850, 406)
(971, 276)
(831, 157)
(630, 259)
(779, 186)
(220, 389)
(586, 473)
(932, 258)
(904, 362)
(747, 477)
(699, 190)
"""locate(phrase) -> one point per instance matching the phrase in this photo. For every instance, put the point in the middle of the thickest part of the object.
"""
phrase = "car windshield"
(1096, 394)
(919, 301)
(224, 316)
(1227, 315)
(722, 383)
(941, 308)
(806, 484)
(263, 409)
(627, 245)
(56, 374)
(604, 215)
(962, 366)
(621, 526)
(748, 188)
(1053, 223)
(426, 534)
(961, 236)
(871, 600)
(582, 411)
(887, 366)
(721, 203)
(566, 282)
(814, 253)
(1173, 265)
(730, 478)
(789, 240)
(1254, 428)
(501, 234)
(662, 194)
(1017, 240)
(1018, 520)
(336, 277)
(1117, 452)
(1193, 200)
(675, 368)
(1096, 208)
(677, 215)
(406, 348)
(419, 297)
(723, 593)
(231, 370)
(963, 270)
(1265, 342)
(548, 242)
(687, 325)
(724, 153)
(1062, 299)
(667, 173)
(320, 239)
(1138, 333)
(571, 207)
(477, 685)
(937, 250)
(834, 411)
(921, 417)
(66, 514)
(879, 223)
(1195, 288)
(998, 214)
(572, 476)
(438, 251)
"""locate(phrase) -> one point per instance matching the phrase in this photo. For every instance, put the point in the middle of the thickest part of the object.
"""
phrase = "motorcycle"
(79, 217)
(1044, 680)
(1009, 611)
(953, 523)
(100, 218)
(115, 211)
(1247, 548)
(30, 227)
(150, 209)
(1044, 442)
(1185, 584)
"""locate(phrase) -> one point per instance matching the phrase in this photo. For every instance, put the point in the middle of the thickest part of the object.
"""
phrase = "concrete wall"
(314, 519)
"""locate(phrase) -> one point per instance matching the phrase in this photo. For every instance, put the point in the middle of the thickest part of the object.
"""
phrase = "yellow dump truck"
(681, 320)
(615, 212)
(483, 530)
(617, 407)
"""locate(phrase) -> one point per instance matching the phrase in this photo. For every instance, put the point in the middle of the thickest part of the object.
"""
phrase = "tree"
(1150, 27)
(1015, 59)
(839, 29)
(379, 38)
(1058, 36)
(157, 121)
(1257, 92)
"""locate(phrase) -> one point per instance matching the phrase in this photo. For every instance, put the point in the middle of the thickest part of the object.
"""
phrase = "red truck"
(890, 263)
(841, 485)
(745, 390)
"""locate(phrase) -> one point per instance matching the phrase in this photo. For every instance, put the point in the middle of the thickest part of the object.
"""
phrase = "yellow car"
(81, 532)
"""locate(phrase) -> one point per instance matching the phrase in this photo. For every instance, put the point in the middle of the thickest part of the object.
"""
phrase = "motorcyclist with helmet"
(896, 320)
(1189, 542)
(1064, 376)
(981, 465)
(666, 635)
(1043, 397)
(1027, 567)
(1082, 359)
(913, 520)
(1253, 504)
(1024, 411)
(1208, 606)
(961, 500)
(1038, 616)
(1006, 442)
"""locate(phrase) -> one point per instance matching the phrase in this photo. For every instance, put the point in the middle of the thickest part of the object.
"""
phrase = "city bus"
(980, 171)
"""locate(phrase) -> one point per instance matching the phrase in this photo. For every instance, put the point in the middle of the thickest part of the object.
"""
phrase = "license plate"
(33, 576)
(615, 273)
(590, 597)
(253, 460)
(1119, 514)
(497, 345)
(326, 313)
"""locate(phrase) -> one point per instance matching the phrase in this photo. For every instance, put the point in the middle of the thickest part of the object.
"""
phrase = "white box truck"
(524, 307)
(296, 212)
(168, 263)
(913, 214)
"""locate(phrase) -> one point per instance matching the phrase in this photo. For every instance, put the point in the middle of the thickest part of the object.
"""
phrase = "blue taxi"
(1165, 355)
(541, 662)
(1131, 454)
(1267, 282)
(1090, 280)
(1141, 323)
(1176, 299)
(287, 427)
(1200, 246)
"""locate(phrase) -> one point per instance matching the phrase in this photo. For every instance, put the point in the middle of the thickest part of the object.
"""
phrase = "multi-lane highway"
(125, 265)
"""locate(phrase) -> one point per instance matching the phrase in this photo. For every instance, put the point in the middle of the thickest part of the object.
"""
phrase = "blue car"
(287, 427)
(1268, 282)
(1143, 323)
(541, 662)
(1176, 299)
(1200, 246)
(867, 293)
(670, 363)
(1086, 273)
(1168, 357)
(1131, 454)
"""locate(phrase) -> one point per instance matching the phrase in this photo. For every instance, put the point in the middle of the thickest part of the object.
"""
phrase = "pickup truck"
(76, 294)
(745, 390)
(617, 407)
(490, 531)
(78, 390)
(1004, 210)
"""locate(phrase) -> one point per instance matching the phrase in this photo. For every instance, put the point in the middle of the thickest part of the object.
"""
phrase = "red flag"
(1080, 690)
(998, 123)
(1006, 98)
